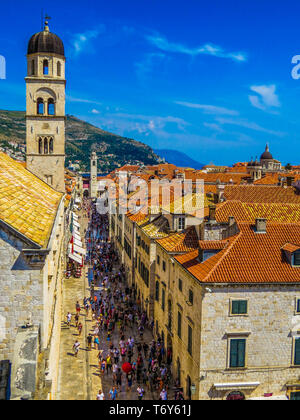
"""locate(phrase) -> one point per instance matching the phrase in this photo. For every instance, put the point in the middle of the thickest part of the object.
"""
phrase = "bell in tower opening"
(45, 108)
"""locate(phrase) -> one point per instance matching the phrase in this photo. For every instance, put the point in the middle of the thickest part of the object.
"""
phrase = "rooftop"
(27, 204)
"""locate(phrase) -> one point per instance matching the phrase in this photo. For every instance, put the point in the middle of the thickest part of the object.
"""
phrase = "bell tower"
(94, 173)
(45, 108)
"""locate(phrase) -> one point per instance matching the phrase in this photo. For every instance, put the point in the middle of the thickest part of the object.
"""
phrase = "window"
(46, 150)
(164, 265)
(58, 69)
(190, 340)
(298, 306)
(32, 67)
(179, 324)
(163, 300)
(191, 297)
(157, 291)
(51, 146)
(295, 396)
(239, 307)
(40, 106)
(45, 68)
(158, 259)
(237, 353)
(181, 223)
(40, 146)
(297, 352)
(180, 284)
(296, 258)
(51, 107)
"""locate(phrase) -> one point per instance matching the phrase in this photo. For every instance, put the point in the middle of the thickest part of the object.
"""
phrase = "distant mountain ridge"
(81, 139)
(178, 158)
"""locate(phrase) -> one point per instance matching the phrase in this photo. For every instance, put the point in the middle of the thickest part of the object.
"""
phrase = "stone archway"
(235, 396)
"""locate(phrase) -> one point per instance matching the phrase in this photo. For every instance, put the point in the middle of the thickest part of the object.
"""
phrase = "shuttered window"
(297, 352)
(190, 340)
(237, 353)
(239, 307)
(179, 324)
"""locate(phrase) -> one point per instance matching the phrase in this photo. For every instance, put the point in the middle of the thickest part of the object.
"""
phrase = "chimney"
(231, 220)
(212, 212)
(261, 225)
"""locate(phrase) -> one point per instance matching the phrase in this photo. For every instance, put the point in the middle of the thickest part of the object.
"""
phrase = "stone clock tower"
(45, 108)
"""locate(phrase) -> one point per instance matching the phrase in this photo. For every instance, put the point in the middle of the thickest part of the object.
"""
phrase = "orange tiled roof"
(250, 257)
(27, 204)
(243, 212)
(181, 241)
(213, 244)
(213, 177)
(290, 247)
(261, 194)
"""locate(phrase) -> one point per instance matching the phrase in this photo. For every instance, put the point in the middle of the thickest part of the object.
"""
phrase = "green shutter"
(241, 353)
(239, 307)
(233, 353)
(297, 352)
(298, 305)
(237, 353)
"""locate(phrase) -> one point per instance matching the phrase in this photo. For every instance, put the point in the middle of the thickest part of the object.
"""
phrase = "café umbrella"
(127, 367)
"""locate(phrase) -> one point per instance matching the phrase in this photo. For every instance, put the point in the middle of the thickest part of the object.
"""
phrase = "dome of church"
(46, 42)
(266, 154)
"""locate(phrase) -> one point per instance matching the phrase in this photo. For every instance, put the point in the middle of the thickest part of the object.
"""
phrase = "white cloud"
(209, 109)
(267, 97)
(81, 41)
(208, 49)
(82, 100)
(95, 111)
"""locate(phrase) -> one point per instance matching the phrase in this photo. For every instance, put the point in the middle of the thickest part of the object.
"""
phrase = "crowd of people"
(125, 356)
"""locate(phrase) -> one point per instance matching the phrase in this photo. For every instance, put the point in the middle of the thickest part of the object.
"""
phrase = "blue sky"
(210, 78)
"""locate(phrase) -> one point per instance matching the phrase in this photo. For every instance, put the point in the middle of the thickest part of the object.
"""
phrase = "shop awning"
(76, 224)
(79, 250)
(76, 257)
(77, 242)
(236, 385)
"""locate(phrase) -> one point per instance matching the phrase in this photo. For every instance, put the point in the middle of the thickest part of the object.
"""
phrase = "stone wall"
(21, 291)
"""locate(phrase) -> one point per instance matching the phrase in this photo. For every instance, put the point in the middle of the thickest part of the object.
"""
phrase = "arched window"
(40, 106)
(51, 107)
(32, 67)
(51, 146)
(45, 67)
(58, 69)
(46, 150)
(40, 146)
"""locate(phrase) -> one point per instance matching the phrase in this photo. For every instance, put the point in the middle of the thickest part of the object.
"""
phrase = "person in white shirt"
(100, 396)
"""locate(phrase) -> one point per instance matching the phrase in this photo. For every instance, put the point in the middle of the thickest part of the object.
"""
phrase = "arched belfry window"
(51, 107)
(40, 146)
(45, 67)
(51, 146)
(46, 149)
(40, 106)
(33, 68)
(59, 69)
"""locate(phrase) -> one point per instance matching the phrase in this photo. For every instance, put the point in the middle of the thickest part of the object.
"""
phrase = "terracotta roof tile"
(261, 194)
(250, 257)
(27, 204)
(181, 241)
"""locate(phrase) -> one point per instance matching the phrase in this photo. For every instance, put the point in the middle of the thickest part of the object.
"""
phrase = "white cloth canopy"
(76, 257)
(79, 250)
